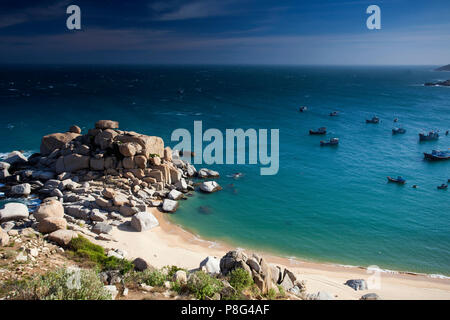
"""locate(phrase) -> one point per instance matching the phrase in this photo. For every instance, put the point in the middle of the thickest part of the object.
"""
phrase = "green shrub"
(202, 285)
(62, 284)
(171, 270)
(240, 279)
(271, 294)
(83, 248)
(154, 278)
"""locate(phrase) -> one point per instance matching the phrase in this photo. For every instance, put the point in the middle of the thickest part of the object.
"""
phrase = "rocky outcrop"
(445, 83)
(13, 212)
(211, 265)
(56, 141)
(15, 158)
(210, 186)
(143, 221)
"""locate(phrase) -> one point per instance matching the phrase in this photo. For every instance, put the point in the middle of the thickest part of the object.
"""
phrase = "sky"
(315, 32)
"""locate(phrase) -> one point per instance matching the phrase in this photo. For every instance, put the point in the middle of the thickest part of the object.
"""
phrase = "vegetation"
(202, 285)
(240, 279)
(84, 249)
(61, 284)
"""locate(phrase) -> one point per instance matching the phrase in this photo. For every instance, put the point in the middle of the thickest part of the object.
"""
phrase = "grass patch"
(61, 284)
(83, 248)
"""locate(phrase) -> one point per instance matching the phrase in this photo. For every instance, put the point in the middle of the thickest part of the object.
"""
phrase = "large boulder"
(62, 237)
(23, 189)
(169, 205)
(13, 211)
(49, 209)
(105, 138)
(102, 227)
(51, 224)
(370, 296)
(207, 173)
(210, 186)
(151, 145)
(106, 124)
(232, 260)
(72, 163)
(129, 149)
(175, 195)
(143, 221)
(357, 284)
(140, 264)
(55, 141)
(211, 265)
(15, 158)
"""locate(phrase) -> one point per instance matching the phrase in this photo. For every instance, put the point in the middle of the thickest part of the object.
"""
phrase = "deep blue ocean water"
(325, 204)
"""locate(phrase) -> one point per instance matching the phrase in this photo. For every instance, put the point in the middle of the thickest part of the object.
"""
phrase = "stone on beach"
(13, 211)
(143, 221)
(210, 186)
(62, 237)
(175, 195)
(102, 227)
(370, 296)
(51, 224)
(211, 265)
(140, 264)
(357, 284)
(23, 189)
(169, 205)
(52, 208)
(4, 238)
(15, 157)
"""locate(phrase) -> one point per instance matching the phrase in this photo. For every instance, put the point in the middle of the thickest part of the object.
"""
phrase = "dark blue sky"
(226, 32)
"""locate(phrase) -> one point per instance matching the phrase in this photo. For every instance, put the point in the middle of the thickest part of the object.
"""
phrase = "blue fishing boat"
(398, 180)
(429, 137)
(321, 130)
(437, 155)
(331, 142)
(373, 120)
(398, 131)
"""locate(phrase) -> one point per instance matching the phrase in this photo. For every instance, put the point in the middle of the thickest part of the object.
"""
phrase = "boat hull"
(432, 157)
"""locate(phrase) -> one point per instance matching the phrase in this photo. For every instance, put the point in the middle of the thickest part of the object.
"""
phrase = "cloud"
(33, 13)
(171, 11)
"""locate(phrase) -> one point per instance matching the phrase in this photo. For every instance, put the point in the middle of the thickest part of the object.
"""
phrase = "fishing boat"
(373, 120)
(443, 186)
(398, 180)
(331, 142)
(436, 155)
(398, 131)
(321, 130)
(303, 109)
(334, 114)
(429, 137)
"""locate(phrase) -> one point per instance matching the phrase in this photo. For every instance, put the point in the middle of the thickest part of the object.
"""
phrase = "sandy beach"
(169, 244)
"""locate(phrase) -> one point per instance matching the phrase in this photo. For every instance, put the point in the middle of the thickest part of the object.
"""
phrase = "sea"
(325, 204)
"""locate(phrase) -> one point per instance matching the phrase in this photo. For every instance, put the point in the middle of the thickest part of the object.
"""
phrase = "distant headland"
(444, 68)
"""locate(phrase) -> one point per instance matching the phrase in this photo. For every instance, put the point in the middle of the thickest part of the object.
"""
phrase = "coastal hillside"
(444, 68)
(71, 195)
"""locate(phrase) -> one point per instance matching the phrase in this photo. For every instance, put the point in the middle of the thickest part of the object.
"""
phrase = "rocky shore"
(87, 184)
(445, 83)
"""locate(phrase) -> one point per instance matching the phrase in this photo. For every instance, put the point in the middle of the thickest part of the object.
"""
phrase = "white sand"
(168, 244)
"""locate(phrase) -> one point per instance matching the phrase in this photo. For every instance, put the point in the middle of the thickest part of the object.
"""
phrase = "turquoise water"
(325, 204)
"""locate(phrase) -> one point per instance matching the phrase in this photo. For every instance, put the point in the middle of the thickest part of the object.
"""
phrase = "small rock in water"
(205, 210)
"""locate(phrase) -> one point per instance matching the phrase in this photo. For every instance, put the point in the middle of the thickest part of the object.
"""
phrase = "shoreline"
(170, 244)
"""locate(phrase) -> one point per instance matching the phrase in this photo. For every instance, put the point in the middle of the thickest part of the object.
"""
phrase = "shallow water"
(325, 204)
